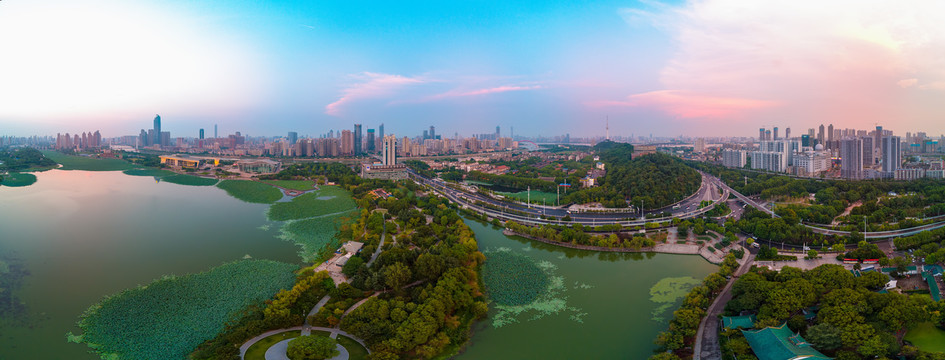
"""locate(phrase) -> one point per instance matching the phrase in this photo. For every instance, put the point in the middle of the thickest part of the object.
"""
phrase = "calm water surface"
(609, 315)
(83, 235)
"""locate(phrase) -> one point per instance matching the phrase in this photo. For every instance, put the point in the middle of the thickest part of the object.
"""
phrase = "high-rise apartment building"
(215, 135)
(761, 134)
(820, 136)
(699, 146)
(432, 132)
(867, 151)
(891, 155)
(775, 133)
(851, 158)
(829, 144)
(878, 137)
(293, 137)
(201, 134)
(734, 158)
(390, 150)
(347, 142)
(787, 133)
(370, 141)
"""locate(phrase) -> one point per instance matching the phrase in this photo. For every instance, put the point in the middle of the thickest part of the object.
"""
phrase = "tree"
(396, 275)
(824, 336)
(664, 356)
(312, 348)
(812, 254)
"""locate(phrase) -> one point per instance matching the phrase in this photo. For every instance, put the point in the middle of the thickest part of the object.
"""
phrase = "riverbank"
(666, 248)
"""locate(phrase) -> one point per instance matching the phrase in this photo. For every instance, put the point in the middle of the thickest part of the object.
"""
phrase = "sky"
(691, 68)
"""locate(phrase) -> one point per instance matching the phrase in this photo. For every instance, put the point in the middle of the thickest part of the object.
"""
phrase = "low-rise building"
(261, 166)
(386, 172)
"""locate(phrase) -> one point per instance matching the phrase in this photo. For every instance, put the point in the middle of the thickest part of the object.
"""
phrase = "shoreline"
(678, 249)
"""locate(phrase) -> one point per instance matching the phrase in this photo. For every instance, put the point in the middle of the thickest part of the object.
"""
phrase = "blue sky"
(710, 67)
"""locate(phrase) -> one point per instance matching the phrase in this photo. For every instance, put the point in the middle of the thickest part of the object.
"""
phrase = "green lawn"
(190, 180)
(149, 172)
(258, 350)
(251, 191)
(72, 162)
(355, 350)
(312, 235)
(927, 337)
(301, 185)
(327, 200)
(18, 180)
(536, 196)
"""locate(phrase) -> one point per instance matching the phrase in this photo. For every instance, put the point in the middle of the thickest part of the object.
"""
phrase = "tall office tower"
(293, 137)
(775, 133)
(498, 133)
(787, 133)
(761, 134)
(851, 158)
(380, 131)
(215, 135)
(432, 132)
(892, 155)
(143, 139)
(867, 151)
(357, 139)
(768, 135)
(157, 130)
(165, 138)
(810, 133)
(829, 137)
(405, 145)
(805, 140)
(390, 150)
(426, 134)
(347, 142)
(820, 136)
(201, 134)
(370, 141)
(877, 137)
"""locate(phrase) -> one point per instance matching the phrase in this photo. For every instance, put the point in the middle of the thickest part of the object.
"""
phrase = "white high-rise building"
(390, 149)
(734, 158)
(699, 146)
(774, 155)
(851, 158)
(891, 155)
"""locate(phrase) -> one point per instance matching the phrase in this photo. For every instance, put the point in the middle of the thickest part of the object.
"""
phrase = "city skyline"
(543, 68)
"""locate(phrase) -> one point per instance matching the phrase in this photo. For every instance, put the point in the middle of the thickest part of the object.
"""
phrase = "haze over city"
(706, 68)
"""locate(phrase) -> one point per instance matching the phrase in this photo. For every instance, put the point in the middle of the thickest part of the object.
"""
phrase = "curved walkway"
(333, 333)
(380, 246)
(279, 350)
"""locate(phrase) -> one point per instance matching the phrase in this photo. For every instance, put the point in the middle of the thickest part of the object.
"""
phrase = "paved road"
(380, 246)
(707, 338)
(333, 333)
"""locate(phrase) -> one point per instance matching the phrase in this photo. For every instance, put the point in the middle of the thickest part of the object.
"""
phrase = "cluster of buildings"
(88, 140)
(857, 154)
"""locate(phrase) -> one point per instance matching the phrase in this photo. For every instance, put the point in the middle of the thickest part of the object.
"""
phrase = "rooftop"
(780, 343)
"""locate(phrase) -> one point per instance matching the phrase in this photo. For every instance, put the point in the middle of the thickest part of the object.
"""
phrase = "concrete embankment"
(686, 249)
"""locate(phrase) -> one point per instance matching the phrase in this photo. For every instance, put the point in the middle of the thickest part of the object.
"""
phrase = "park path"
(380, 247)
(307, 328)
(707, 338)
(333, 333)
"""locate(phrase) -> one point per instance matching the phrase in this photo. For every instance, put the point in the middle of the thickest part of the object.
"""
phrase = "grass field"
(88, 163)
(355, 350)
(18, 180)
(537, 196)
(251, 191)
(313, 234)
(301, 185)
(327, 200)
(169, 317)
(148, 172)
(190, 180)
(927, 337)
(258, 350)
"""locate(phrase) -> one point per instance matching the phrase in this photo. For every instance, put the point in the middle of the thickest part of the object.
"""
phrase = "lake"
(83, 235)
(608, 309)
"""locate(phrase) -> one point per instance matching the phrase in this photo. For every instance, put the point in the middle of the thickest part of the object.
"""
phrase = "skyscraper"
(775, 133)
(357, 139)
(851, 158)
(829, 144)
(293, 137)
(761, 134)
(787, 133)
(370, 141)
(201, 134)
(877, 137)
(498, 132)
(892, 155)
(215, 131)
(380, 131)
(390, 150)
(157, 130)
(432, 132)
(820, 136)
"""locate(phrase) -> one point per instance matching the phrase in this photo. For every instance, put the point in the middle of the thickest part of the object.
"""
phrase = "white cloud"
(370, 85)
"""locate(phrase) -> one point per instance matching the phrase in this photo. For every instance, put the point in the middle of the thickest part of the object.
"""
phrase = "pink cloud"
(688, 105)
(486, 91)
(370, 85)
